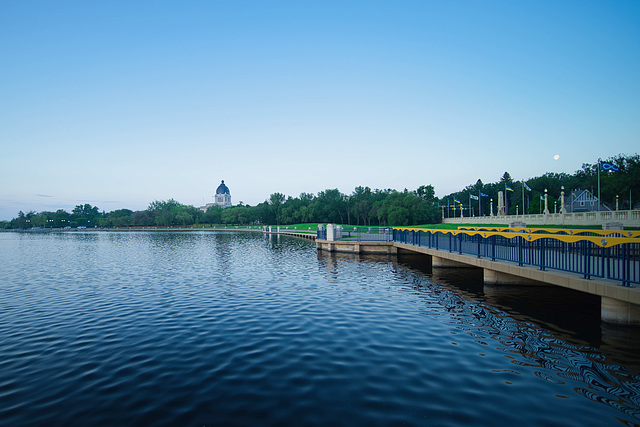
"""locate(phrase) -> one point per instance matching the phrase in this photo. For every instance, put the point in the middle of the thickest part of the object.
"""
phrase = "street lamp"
(546, 202)
(616, 202)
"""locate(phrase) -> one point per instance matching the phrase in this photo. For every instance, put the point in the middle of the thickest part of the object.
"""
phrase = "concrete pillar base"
(492, 277)
(443, 262)
(619, 312)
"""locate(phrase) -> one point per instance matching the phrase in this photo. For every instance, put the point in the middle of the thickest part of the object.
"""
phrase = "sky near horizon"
(120, 103)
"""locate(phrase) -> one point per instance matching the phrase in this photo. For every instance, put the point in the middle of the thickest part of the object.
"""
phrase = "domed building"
(222, 198)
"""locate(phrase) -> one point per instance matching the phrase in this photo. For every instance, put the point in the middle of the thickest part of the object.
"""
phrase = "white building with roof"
(222, 198)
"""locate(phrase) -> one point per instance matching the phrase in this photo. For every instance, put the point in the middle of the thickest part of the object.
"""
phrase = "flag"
(506, 187)
(456, 200)
(484, 195)
(474, 197)
(608, 167)
(541, 198)
(526, 186)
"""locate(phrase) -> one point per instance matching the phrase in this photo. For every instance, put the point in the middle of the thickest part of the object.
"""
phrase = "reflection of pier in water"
(554, 331)
(604, 265)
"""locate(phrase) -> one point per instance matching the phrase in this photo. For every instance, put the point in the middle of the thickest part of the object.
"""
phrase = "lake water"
(202, 328)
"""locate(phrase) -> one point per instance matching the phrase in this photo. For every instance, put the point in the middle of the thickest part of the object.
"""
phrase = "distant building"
(222, 198)
(583, 201)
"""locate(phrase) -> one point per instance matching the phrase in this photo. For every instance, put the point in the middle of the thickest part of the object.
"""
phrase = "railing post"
(626, 261)
(478, 237)
(587, 260)
(493, 247)
(450, 242)
(520, 251)
(542, 254)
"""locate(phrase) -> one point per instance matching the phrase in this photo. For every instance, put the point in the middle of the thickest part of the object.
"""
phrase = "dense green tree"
(213, 215)
(165, 212)
(142, 218)
(276, 201)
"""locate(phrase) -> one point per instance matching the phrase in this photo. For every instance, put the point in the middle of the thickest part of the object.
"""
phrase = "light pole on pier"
(546, 202)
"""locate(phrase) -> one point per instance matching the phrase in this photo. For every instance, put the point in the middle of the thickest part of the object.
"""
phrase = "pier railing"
(382, 235)
(615, 258)
(358, 234)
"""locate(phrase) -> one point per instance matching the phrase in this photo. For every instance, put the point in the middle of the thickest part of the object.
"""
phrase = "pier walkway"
(603, 263)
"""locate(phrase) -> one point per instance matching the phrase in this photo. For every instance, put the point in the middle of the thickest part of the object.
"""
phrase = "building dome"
(223, 189)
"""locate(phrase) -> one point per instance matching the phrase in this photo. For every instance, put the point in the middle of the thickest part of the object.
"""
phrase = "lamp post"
(616, 202)
(562, 209)
(491, 206)
(517, 206)
(546, 202)
(555, 207)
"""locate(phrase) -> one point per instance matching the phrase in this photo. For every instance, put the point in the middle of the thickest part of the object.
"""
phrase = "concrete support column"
(620, 312)
(443, 262)
(492, 277)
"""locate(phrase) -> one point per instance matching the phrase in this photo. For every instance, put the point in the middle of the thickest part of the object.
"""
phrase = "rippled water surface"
(197, 328)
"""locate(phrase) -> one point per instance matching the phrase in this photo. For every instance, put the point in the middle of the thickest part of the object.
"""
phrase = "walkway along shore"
(604, 265)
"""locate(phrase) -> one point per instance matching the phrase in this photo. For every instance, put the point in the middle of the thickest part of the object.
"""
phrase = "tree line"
(364, 206)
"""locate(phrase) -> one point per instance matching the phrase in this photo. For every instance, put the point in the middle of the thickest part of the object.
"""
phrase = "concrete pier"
(620, 312)
(357, 247)
(619, 304)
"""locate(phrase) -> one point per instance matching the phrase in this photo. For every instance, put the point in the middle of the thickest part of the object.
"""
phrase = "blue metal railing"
(322, 234)
(620, 262)
(382, 235)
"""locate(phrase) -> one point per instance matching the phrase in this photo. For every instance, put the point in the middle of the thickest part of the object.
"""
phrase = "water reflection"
(554, 331)
(236, 328)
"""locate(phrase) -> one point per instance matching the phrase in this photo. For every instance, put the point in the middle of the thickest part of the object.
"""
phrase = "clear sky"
(119, 103)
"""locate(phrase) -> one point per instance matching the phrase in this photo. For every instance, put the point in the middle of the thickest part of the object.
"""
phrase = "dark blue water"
(202, 328)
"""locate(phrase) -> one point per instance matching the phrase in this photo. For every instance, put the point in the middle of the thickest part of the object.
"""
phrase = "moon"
(556, 157)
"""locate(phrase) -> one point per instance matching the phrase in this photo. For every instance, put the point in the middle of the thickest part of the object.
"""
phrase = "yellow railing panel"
(569, 231)
(602, 241)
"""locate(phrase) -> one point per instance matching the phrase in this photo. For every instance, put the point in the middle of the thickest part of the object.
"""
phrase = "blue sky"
(120, 103)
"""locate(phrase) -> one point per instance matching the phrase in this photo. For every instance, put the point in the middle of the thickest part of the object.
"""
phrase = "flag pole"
(522, 198)
(506, 198)
(599, 167)
(480, 204)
